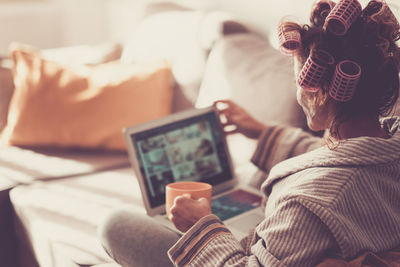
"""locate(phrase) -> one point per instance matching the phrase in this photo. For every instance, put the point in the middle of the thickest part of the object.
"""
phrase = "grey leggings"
(133, 239)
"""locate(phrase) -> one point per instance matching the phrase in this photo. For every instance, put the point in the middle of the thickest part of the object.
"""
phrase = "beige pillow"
(61, 105)
(73, 55)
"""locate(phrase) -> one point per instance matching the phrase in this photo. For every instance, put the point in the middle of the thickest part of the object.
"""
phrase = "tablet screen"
(188, 150)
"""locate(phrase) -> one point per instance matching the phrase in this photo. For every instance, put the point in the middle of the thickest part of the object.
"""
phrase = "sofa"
(55, 193)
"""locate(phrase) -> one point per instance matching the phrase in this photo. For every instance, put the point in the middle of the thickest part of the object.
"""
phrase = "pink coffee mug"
(195, 190)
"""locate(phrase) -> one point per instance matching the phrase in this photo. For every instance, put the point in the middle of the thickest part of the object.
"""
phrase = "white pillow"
(246, 69)
(171, 35)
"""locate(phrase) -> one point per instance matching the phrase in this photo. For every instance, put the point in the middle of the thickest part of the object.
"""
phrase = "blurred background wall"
(56, 23)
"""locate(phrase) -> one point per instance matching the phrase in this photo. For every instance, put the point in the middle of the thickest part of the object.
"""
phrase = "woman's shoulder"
(324, 185)
(333, 187)
(350, 153)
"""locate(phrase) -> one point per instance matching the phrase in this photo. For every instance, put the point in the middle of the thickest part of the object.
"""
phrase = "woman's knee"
(132, 238)
(112, 228)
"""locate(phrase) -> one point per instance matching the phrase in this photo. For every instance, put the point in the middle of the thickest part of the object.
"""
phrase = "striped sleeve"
(208, 244)
(278, 143)
(205, 230)
(291, 236)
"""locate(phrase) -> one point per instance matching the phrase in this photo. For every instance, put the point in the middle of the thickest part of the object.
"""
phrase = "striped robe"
(322, 203)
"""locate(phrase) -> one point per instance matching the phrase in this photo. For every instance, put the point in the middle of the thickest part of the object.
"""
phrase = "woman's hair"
(370, 42)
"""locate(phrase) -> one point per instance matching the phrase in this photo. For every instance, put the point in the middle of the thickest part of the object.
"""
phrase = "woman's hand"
(186, 211)
(238, 119)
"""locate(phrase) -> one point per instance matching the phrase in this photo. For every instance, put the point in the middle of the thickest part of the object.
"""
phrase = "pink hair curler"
(342, 16)
(373, 8)
(345, 80)
(380, 10)
(289, 37)
(315, 70)
(323, 7)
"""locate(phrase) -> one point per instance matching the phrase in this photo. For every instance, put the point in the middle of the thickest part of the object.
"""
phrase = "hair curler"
(342, 16)
(379, 10)
(320, 10)
(289, 37)
(315, 70)
(345, 80)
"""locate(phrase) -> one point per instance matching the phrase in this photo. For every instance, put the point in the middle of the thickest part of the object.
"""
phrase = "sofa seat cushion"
(24, 165)
(60, 217)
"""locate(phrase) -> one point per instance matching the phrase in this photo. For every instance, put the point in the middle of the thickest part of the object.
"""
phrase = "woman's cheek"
(298, 96)
(307, 109)
(301, 100)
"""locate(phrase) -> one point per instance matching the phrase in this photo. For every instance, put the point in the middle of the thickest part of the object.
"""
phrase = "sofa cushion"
(82, 54)
(246, 69)
(60, 105)
(27, 165)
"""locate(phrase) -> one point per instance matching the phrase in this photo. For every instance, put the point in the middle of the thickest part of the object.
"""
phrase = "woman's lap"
(136, 240)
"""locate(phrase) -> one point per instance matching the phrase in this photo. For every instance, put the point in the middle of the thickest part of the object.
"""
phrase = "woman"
(336, 199)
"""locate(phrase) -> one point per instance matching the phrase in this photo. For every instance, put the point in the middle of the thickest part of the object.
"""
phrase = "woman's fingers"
(186, 211)
(181, 206)
(235, 119)
(226, 111)
(231, 131)
(229, 128)
(227, 106)
(204, 202)
(233, 107)
(179, 224)
(224, 101)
